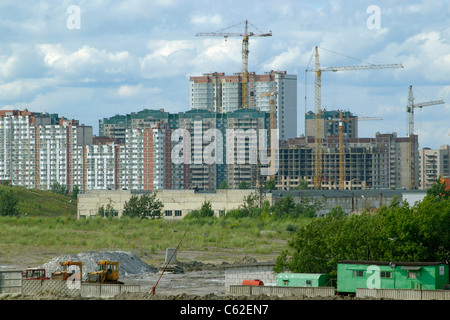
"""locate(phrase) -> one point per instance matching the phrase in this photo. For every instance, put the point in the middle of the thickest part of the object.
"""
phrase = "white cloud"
(89, 63)
(129, 91)
(283, 61)
(206, 20)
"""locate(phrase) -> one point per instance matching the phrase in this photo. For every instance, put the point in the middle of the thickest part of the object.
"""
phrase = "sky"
(89, 60)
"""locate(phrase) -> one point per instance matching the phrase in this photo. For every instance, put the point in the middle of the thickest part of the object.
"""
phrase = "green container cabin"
(303, 279)
(391, 275)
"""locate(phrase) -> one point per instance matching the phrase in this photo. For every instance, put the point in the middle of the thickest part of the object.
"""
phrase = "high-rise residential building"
(433, 163)
(39, 150)
(150, 147)
(330, 125)
(115, 127)
(217, 92)
(380, 162)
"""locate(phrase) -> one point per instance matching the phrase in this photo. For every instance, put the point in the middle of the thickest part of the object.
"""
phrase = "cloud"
(129, 91)
(89, 63)
(206, 20)
(284, 60)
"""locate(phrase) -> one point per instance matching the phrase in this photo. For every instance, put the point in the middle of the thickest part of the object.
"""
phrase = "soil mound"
(129, 263)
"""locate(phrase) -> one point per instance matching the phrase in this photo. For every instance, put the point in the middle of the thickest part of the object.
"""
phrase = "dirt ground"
(187, 278)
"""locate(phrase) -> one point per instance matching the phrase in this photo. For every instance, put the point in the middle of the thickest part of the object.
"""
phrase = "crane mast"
(245, 52)
(318, 109)
(412, 142)
(341, 120)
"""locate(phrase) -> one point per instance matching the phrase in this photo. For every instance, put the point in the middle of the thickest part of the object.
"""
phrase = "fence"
(89, 290)
(10, 281)
(30, 287)
(403, 294)
(309, 292)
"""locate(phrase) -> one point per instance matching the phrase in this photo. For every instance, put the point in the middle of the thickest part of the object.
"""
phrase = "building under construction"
(217, 92)
(380, 162)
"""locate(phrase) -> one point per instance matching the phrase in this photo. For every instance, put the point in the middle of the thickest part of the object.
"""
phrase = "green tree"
(75, 191)
(438, 191)
(270, 184)
(223, 185)
(109, 211)
(145, 206)
(205, 211)
(59, 188)
(8, 202)
(302, 185)
(396, 232)
(244, 185)
(287, 208)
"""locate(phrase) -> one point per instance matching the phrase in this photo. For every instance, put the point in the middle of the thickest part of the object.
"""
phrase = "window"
(178, 213)
(358, 273)
(168, 213)
(385, 274)
(413, 275)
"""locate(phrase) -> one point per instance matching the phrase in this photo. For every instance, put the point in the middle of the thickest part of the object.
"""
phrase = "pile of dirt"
(129, 263)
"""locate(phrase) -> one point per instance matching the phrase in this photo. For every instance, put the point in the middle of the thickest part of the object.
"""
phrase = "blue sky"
(130, 55)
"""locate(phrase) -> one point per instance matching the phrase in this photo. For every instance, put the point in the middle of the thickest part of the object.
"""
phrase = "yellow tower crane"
(412, 142)
(318, 109)
(341, 120)
(245, 43)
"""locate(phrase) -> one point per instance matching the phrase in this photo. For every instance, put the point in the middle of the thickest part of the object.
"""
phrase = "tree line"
(397, 232)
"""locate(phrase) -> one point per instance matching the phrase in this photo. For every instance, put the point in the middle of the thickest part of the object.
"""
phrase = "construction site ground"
(199, 280)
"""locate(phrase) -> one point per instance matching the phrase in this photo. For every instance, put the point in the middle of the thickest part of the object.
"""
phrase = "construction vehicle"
(68, 269)
(107, 272)
(34, 274)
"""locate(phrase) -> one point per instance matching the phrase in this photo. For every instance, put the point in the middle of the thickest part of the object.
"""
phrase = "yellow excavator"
(67, 269)
(107, 272)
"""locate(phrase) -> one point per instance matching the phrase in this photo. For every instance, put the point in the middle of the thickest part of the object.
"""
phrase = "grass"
(61, 235)
(43, 203)
(47, 224)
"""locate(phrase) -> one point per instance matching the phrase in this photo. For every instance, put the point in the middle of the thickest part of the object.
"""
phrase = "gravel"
(129, 263)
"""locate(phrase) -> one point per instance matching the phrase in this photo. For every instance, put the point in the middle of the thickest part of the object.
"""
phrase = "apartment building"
(380, 162)
(433, 163)
(217, 92)
(39, 150)
(330, 124)
(204, 167)
(116, 126)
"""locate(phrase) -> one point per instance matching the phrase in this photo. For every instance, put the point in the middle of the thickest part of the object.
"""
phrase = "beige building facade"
(177, 203)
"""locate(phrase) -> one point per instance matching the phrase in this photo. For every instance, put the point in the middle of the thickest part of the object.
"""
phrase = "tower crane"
(341, 120)
(318, 109)
(245, 43)
(412, 143)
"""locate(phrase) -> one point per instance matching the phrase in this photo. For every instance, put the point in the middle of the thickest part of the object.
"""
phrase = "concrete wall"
(10, 281)
(173, 200)
(282, 291)
(236, 273)
(184, 201)
(352, 201)
(403, 294)
(92, 290)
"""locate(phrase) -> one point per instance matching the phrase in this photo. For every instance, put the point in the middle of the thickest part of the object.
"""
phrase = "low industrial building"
(178, 203)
